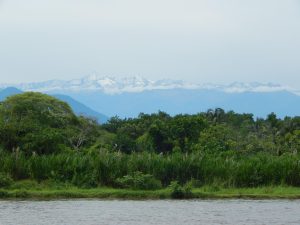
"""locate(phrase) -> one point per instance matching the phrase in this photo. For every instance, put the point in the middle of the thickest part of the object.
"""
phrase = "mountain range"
(111, 85)
(95, 95)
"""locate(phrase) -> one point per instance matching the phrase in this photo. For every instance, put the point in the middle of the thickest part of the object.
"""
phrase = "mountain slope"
(81, 109)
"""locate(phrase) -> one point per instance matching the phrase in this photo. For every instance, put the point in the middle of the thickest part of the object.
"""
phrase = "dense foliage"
(214, 131)
(42, 139)
(41, 124)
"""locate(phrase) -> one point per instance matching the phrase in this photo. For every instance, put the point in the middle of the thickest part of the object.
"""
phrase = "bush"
(5, 180)
(139, 181)
(187, 190)
(179, 192)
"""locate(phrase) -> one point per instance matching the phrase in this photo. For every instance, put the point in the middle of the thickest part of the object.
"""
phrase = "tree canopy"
(35, 122)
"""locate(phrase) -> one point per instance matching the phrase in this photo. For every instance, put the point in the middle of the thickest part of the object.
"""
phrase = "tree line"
(41, 138)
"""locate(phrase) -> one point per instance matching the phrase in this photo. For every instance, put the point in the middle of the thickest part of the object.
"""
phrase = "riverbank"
(207, 192)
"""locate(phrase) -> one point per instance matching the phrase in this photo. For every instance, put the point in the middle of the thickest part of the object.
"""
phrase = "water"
(98, 212)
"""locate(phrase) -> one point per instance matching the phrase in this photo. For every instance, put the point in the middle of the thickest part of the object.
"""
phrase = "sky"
(203, 41)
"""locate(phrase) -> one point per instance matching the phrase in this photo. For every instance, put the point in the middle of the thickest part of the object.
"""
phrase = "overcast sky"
(196, 40)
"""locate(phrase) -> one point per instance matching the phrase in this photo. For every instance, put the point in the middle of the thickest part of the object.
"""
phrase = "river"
(156, 212)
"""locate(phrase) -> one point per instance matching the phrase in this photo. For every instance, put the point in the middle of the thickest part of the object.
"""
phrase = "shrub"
(138, 180)
(176, 190)
(5, 180)
(187, 190)
(179, 192)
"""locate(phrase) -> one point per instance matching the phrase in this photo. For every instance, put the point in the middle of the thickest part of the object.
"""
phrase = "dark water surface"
(165, 212)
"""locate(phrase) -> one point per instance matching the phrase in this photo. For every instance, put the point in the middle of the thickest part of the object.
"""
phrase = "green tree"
(216, 139)
(185, 130)
(35, 122)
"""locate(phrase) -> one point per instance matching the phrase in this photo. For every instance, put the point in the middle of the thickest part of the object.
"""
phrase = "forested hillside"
(43, 140)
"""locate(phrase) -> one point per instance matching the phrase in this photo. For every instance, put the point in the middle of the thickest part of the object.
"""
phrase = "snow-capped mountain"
(108, 85)
(127, 97)
(111, 85)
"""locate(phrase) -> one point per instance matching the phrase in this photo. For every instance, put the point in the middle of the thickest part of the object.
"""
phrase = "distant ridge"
(127, 97)
(81, 109)
(8, 92)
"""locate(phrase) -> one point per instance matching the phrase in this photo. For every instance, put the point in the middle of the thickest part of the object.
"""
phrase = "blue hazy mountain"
(127, 97)
(4, 93)
(81, 109)
(178, 101)
(78, 108)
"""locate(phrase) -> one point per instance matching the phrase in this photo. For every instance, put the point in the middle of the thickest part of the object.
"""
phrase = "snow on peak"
(112, 85)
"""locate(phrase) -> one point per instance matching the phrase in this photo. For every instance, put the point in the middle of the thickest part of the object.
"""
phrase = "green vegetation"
(115, 169)
(179, 192)
(48, 190)
(139, 181)
(47, 151)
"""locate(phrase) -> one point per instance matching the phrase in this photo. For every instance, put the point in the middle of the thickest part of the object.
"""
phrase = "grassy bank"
(44, 191)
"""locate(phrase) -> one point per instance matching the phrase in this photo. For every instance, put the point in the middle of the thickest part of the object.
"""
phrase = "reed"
(103, 168)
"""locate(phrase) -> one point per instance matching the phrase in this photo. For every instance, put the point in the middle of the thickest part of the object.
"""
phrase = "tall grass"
(103, 168)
